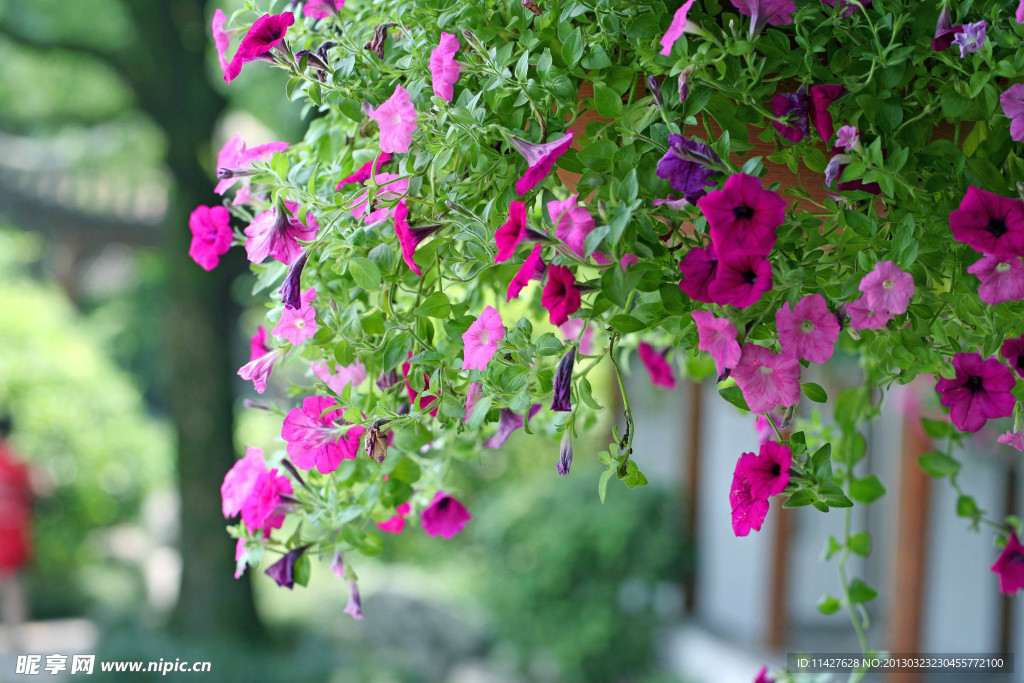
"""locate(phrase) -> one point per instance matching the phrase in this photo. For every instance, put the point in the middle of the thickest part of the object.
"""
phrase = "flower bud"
(338, 565)
(565, 453)
(562, 398)
(355, 602)
(283, 571)
(684, 84)
(655, 88)
(291, 290)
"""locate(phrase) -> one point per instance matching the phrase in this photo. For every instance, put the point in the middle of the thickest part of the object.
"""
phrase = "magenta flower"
(239, 481)
(1020, 13)
(945, 32)
(688, 166)
(768, 472)
(473, 396)
(676, 29)
(354, 374)
(532, 269)
(445, 516)
(508, 422)
(364, 172)
(283, 571)
(561, 394)
(424, 400)
(847, 137)
(989, 223)
(410, 238)
(560, 296)
(221, 39)
(741, 279)
(396, 523)
(971, 38)
(262, 509)
(717, 336)
(397, 119)
(863, 317)
(211, 235)
(514, 231)
(1002, 279)
(296, 324)
(743, 215)
(699, 268)
(657, 366)
(1013, 439)
(481, 339)
(809, 330)
(321, 9)
(767, 380)
(848, 9)
(1010, 566)
(887, 288)
(572, 224)
(314, 437)
(444, 70)
(821, 97)
(1013, 351)
(761, 12)
(261, 361)
(234, 161)
(762, 675)
(981, 390)
(748, 512)
(539, 158)
(276, 234)
(262, 37)
(1012, 101)
(354, 608)
(388, 188)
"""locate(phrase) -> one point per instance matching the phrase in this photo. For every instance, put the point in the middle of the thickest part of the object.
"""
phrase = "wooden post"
(778, 605)
(691, 485)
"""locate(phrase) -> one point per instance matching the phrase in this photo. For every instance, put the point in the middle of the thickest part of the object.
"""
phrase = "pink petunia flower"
(1014, 439)
(277, 234)
(1012, 101)
(699, 268)
(1010, 566)
(748, 512)
(239, 481)
(768, 471)
(1013, 351)
(388, 188)
(1002, 278)
(989, 223)
(887, 288)
(262, 508)
(676, 29)
(240, 564)
(424, 400)
(560, 296)
(657, 366)
(863, 317)
(321, 9)
(628, 260)
(539, 158)
(571, 330)
(764, 429)
(742, 277)
(395, 524)
(980, 390)
(717, 336)
(364, 172)
(513, 232)
(767, 380)
(761, 12)
(847, 137)
(410, 238)
(743, 215)
(532, 269)
(262, 37)
(445, 516)
(258, 343)
(508, 422)
(211, 235)
(473, 396)
(572, 224)
(353, 373)
(481, 339)
(221, 39)
(1020, 13)
(296, 324)
(397, 119)
(809, 330)
(444, 70)
(314, 438)
(762, 675)
(261, 361)
(235, 160)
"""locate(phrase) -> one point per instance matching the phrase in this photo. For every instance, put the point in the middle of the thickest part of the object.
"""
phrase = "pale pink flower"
(239, 480)
(444, 70)
(572, 224)
(887, 288)
(314, 435)
(847, 137)
(445, 516)
(862, 317)
(262, 510)
(396, 523)
(221, 39)
(277, 235)
(234, 156)
(540, 159)
(261, 361)
(676, 29)
(1002, 278)
(657, 366)
(1014, 439)
(296, 324)
(240, 551)
(764, 429)
(809, 330)
(397, 119)
(481, 339)
(321, 9)
(571, 330)
(767, 380)
(717, 336)
(473, 394)
(389, 187)
(354, 374)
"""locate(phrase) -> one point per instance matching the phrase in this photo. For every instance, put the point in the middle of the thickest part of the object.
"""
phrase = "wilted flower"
(533, 268)
(376, 444)
(376, 44)
(283, 571)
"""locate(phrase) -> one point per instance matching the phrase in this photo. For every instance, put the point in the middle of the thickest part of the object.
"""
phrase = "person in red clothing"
(15, 533)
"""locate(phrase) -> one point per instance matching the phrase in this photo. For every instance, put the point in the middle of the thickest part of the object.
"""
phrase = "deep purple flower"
(684, 83)
(688, 165)
(989, 223)
(1010, 566)
(539, 158)
(980, 391)
(561, 399)
(971, 38)
(655, 87)
(291, 290)
(848, 8)
(565, 453)
(763, 12)
(263, 36)
(742, 278)
(283, 571)
(793, 107)
(1013, 352)
(1012, 101)
(945, 32)
(743, 216)
(699, 267)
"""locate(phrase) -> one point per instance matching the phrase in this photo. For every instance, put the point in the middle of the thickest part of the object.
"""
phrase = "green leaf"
(572, 48)
(866, 490)
(821, 462)
(479, 412)
(302, 570)
(860, 592)
(966, 507)
(626, 323)
(609, 104)
(861, 544)
(734, 396)
(936, 429)
(938, 464)
(602, 484)
(396, 351)
(586, 394)
(828, 605)
(434, 306)
(814, 392)
(365, 273)
(799, 499)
